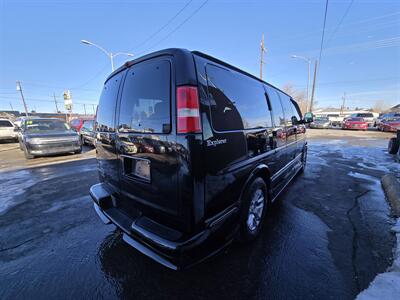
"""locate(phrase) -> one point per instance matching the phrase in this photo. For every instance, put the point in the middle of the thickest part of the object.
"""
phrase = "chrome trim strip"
(287, 166)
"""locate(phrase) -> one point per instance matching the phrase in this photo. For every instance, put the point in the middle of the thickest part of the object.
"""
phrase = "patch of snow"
(364, 176)
(14, 185)
(386, 285)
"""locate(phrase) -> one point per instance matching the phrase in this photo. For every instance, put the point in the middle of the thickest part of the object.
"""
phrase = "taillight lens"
(188, 109)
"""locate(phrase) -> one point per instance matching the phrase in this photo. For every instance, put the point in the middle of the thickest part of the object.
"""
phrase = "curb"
(391, 186)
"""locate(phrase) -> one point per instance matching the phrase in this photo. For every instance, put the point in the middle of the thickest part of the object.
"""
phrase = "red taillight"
(188, 112)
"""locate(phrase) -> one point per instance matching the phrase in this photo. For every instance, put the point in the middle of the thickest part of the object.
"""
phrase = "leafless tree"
(297, 94)
(379, 106)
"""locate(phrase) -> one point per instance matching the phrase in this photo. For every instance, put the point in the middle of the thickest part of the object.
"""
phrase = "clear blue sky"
(40, 44)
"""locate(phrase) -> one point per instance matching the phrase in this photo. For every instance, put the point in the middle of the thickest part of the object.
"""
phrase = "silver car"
(8, 130)
(40, 137)
(321, 123)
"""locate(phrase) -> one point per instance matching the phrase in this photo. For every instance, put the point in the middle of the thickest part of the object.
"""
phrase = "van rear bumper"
(168, 247)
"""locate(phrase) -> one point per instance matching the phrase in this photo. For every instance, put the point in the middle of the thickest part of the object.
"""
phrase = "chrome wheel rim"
(255, 210)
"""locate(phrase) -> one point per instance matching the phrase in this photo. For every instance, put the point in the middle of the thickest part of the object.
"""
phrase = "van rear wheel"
(254, 206)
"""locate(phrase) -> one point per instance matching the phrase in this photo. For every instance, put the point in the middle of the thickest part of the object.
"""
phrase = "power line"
(164, 26)
(79, 87)
(43, 100)
(341, 21)
(176, 28)
(323, 33)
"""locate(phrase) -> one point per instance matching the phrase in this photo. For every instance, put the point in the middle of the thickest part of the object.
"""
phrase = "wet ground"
(326, 237)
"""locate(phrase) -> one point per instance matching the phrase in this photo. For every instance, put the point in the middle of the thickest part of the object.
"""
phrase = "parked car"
(88, 135)
(191, 153)
(41, 136)
(321, 123)
(77, 124)
(368, 117)
(335, 119)
(390, 124)
(355, 123)
(8, 130)
(384, 117)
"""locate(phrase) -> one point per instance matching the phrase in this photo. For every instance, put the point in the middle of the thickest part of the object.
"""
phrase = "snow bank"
(386, 286)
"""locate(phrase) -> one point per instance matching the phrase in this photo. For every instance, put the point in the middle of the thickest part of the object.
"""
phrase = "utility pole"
(55, 102)
(313, 87)
(262, 56)
(84, 108)
(344, 100)
(94, 110)
(19, 88)
(12, 109)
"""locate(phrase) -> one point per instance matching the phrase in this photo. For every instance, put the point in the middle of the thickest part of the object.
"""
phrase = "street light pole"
(309, 71)
(109, 54)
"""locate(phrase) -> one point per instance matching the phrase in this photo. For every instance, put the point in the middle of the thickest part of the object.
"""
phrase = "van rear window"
(145, 101)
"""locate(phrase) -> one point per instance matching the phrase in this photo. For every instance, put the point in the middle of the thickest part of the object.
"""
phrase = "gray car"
(41, 137)
(321, 123)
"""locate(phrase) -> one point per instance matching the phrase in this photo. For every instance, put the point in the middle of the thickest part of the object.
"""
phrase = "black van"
(191, 152)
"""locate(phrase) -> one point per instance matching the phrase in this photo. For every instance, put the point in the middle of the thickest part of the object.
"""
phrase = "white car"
(335, 119)
(7, 130)
(367, 116)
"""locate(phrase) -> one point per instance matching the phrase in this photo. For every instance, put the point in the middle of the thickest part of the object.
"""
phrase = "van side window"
(287, 108)
(145, 100)
(236, 100)
(108, 99)
(277, 111)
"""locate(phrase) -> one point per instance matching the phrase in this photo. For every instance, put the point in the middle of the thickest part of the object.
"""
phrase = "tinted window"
(40, 125)
(75, 122)
(108, 100)
(236, 100)
(5, 123)
(287, 108)
(88, 124)
(277, 111)
(365, 115)
(145, 101)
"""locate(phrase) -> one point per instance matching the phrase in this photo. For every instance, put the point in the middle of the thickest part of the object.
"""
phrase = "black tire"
(247, 234)
(83, 142)
(27, 154)
(394, 145)
(78, 151)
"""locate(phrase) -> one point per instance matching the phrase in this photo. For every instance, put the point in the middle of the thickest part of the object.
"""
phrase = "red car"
(355, 123)
(390, 125)
(77, 124)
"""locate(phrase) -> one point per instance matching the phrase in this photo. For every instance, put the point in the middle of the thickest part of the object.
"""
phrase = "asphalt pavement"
(326, 238)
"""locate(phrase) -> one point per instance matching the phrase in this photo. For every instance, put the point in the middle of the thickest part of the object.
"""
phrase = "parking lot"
(326, 237)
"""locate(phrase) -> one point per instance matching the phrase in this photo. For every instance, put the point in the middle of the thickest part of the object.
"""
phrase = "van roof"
(187, 54)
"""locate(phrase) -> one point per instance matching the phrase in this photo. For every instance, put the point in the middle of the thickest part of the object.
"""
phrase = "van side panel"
(232, 155)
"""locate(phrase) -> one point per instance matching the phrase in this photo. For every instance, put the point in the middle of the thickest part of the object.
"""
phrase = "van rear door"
(146, 143)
